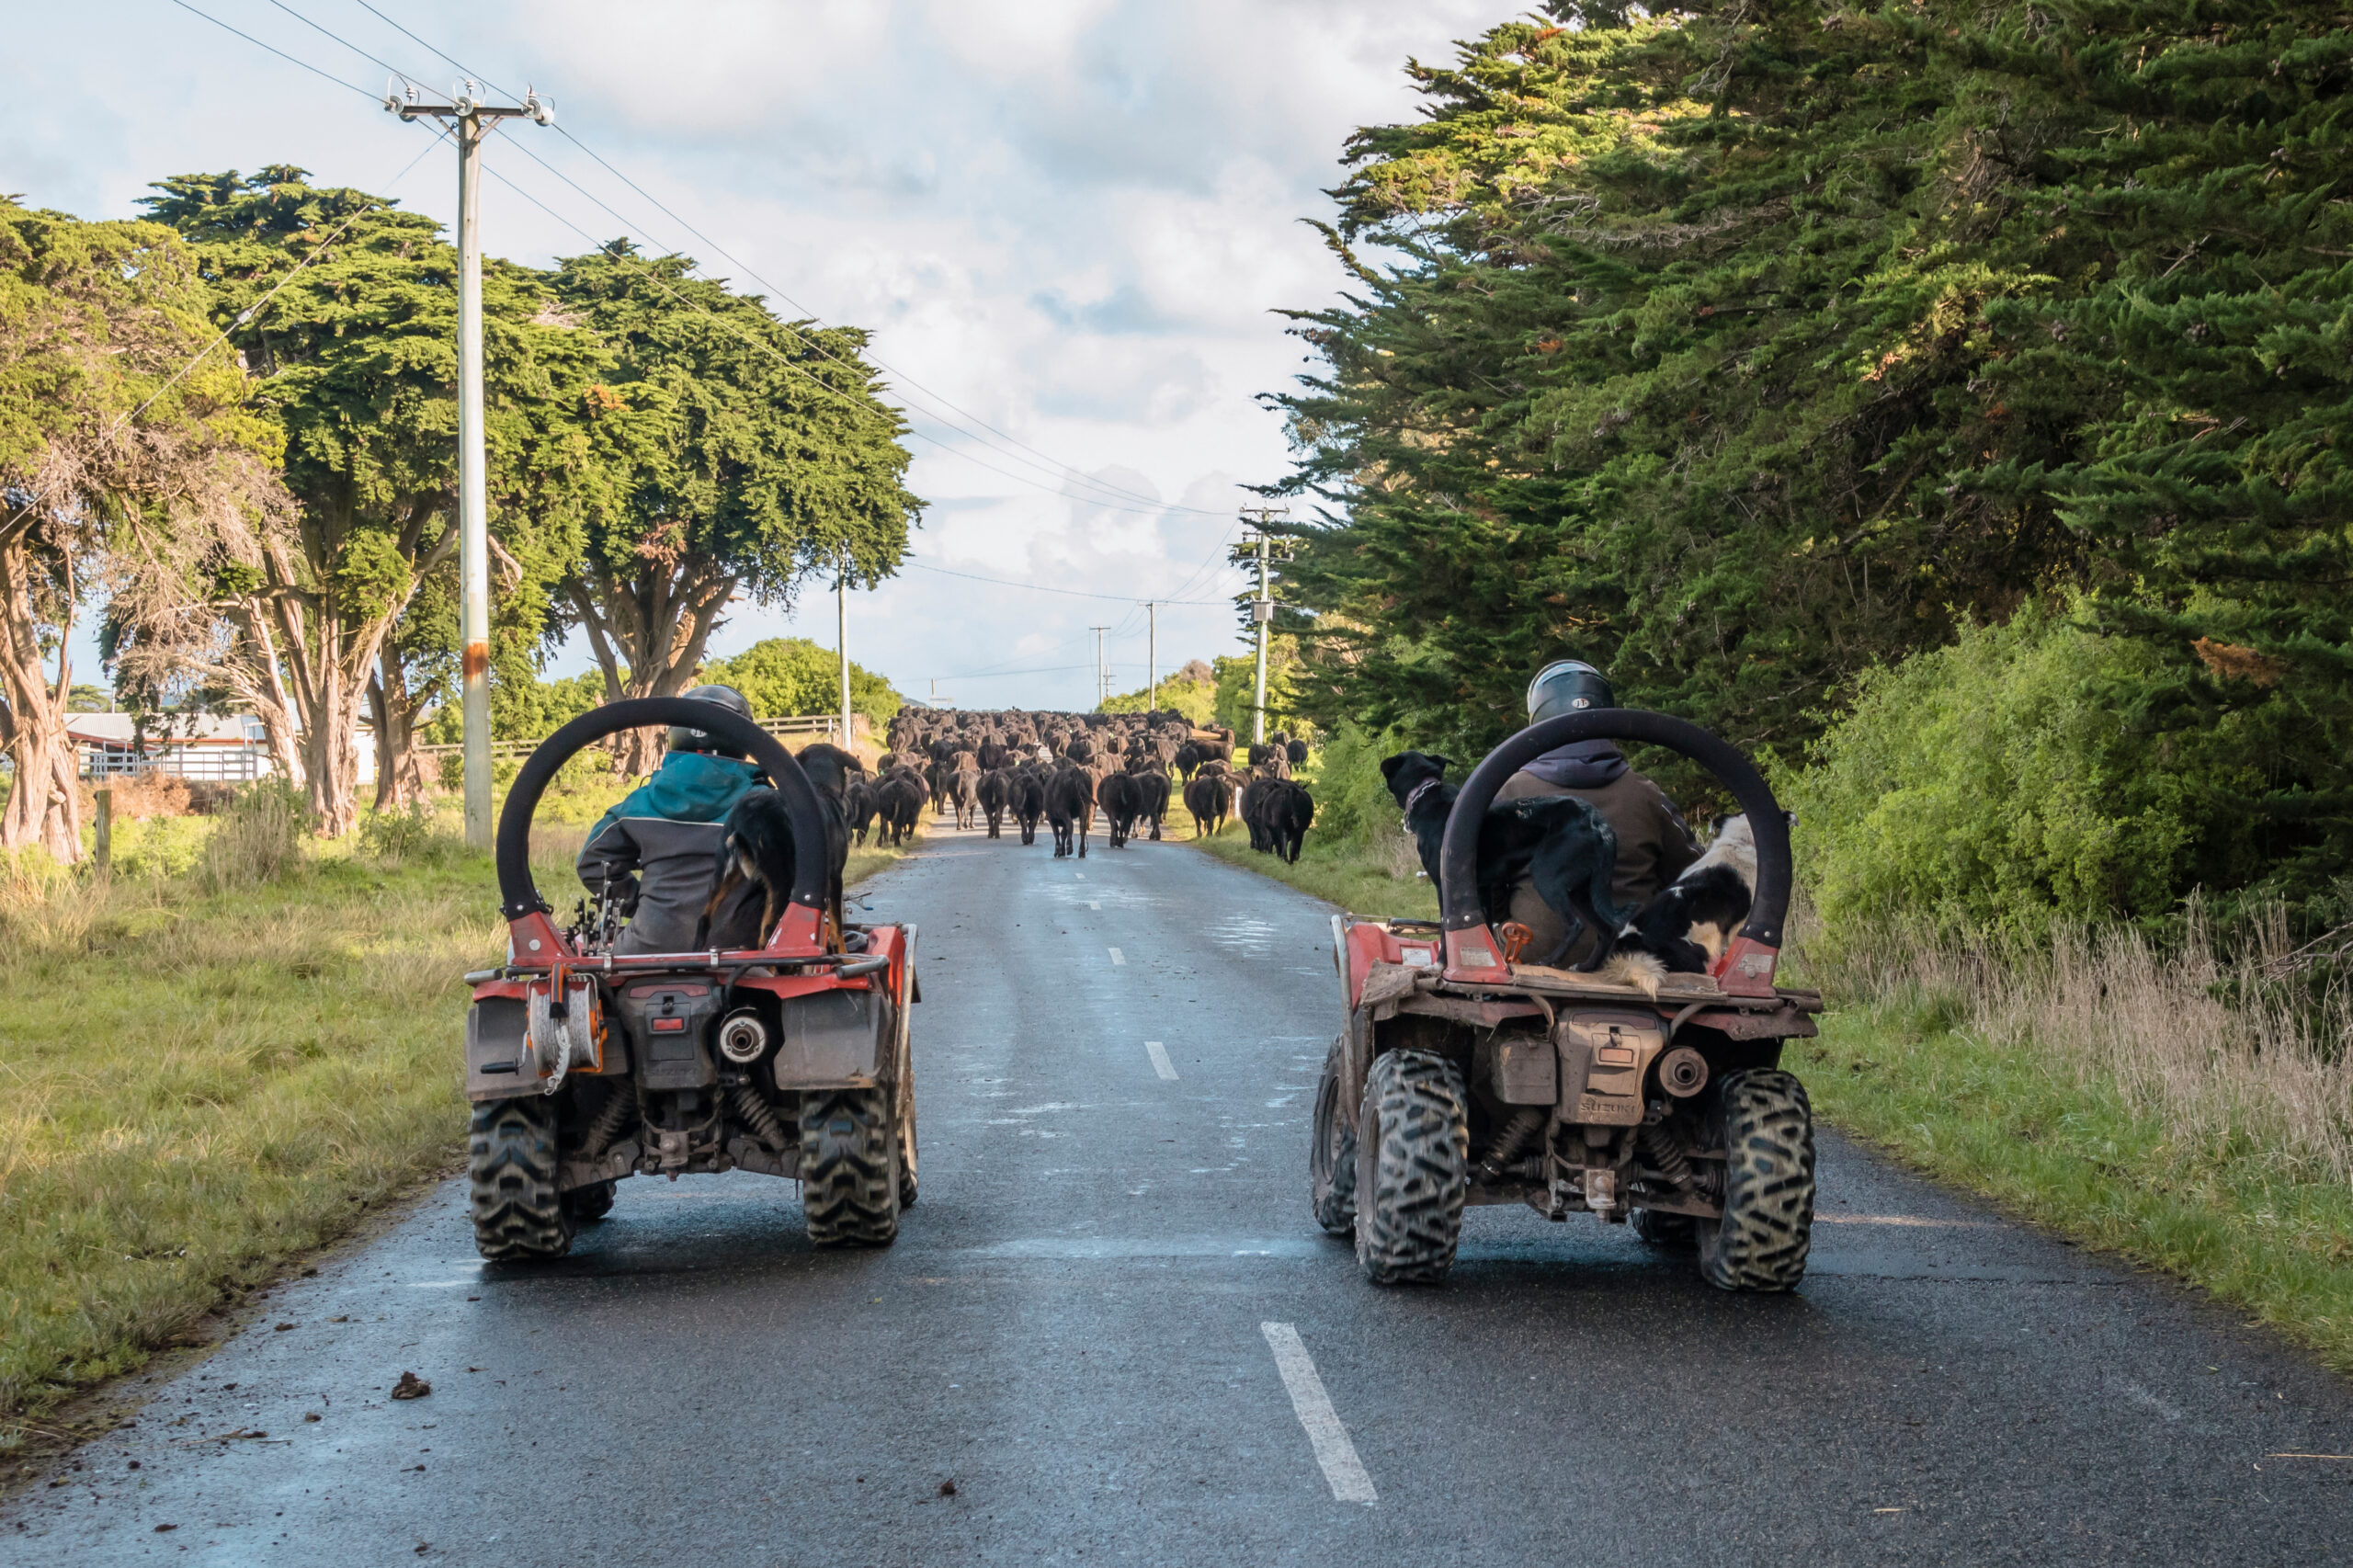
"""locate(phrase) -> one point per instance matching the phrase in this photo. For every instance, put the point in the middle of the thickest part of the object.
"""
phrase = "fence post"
(102, 829)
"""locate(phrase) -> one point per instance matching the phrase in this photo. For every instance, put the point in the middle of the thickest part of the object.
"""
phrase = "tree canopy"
(1745, 348)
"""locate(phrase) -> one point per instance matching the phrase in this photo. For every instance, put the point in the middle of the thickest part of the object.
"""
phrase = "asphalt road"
(1111, 1324)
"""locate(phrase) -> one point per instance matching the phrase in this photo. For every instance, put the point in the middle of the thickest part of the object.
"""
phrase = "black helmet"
(1567, 685)
(727, 697)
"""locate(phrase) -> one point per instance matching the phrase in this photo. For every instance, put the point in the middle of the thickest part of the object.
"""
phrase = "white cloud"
(1071, 218)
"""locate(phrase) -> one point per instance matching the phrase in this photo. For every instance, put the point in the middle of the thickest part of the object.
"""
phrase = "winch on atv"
(587, 1066)
(1465, 1078)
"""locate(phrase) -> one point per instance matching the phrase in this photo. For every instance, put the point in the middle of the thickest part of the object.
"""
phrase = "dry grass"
(2174, 1105)
(2224, 1057)
(199, 1083)
(217, 1058)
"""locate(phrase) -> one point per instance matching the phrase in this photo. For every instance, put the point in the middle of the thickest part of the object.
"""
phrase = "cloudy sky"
(1070, 221)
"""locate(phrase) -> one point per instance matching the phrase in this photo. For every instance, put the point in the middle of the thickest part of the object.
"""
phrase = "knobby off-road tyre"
(850, 1167)
(511, 1169)
(1413, 1168)
(591, 1202)
(1760, 1243)
(1332, 1152)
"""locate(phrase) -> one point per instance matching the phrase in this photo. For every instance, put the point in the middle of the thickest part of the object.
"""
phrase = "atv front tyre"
(511, 1169)
(1760, 1243)
(1413, 1168)
(850, 1167)
(1332, 1153)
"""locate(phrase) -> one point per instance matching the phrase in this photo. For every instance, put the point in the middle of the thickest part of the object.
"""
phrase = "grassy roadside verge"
(198, 1081)
(1355, 881)
(2080, 1158)
(2105, 1094)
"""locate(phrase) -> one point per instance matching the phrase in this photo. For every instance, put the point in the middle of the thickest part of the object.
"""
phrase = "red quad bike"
(1465, 1077)
(586, 1066)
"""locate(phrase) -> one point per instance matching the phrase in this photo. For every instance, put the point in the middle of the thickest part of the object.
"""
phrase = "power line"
(251, 312)
(282, 54)
(800, 371)
(339, 38)
(1050, 461)
(1046, 461)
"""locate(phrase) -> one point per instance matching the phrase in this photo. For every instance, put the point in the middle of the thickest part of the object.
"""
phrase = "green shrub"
(2004, 782)
(1352, 804)
(414, 836)
(258, 837)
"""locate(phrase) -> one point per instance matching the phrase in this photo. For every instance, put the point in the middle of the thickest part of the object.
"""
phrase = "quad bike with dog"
(1464, 1076)
(587, 1066)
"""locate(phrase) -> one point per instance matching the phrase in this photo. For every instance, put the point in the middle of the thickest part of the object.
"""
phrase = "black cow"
(1070, 808)
(994, 791)
(1152, 797)
(1117, 795)
(1210, 796)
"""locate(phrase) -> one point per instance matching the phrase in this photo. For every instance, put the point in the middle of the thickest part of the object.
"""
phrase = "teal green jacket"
(666, 833)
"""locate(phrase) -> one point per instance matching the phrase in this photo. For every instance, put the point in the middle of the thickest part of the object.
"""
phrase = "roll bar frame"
(1472, 954)
(519, 894)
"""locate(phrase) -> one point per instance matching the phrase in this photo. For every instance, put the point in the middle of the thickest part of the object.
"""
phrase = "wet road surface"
(1110, 1332)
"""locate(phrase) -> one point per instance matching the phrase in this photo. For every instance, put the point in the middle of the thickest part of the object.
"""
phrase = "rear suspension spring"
(1664, 1151)
(760, 1116)
(1516, 1134)
(619, 1110)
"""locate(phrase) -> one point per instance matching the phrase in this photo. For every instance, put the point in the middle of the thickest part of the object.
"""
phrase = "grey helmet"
(727, 697)
(1567, 685)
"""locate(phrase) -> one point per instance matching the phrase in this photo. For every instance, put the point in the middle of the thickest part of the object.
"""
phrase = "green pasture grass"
(1336, 873)
(196, 1086)
(2010, 1126)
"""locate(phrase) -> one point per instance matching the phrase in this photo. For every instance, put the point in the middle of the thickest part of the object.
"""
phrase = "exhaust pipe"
(1683, 1071)
(743, 1037)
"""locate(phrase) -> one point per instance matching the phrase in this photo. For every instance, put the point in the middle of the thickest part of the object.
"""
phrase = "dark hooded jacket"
(663, 840)
(1654, 846)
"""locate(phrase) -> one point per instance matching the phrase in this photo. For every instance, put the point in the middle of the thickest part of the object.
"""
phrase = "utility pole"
(473, 121)
(1262, 611)
(841, 643)
(1152, 654)
(1102, 683)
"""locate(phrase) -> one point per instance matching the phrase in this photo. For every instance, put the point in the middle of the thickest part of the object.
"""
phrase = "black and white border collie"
(1690, 923)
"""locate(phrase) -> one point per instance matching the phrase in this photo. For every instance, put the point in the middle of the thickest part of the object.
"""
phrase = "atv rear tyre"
(1332, 1152)
(591, 1202)
(1760, 1243)
(511, 1169)
(850, 1167)
(1413, 1168)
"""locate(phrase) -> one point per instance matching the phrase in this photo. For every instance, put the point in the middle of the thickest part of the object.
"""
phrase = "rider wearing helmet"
(658, 852)
(1653, 845)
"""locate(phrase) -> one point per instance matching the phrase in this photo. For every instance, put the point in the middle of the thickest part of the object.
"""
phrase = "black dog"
(756, 849)
(1559, 842)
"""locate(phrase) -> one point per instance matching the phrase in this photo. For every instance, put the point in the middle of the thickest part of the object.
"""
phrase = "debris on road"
(411, 1386)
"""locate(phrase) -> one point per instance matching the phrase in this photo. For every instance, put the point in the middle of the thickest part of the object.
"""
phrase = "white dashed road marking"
(1325, 1432)
(1118, 957)
(1160, 1062)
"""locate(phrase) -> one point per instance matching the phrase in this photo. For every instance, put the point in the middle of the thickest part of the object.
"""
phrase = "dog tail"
(1642, 970)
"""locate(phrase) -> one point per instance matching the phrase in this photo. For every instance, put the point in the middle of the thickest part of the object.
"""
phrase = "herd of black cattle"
(1061, 768)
